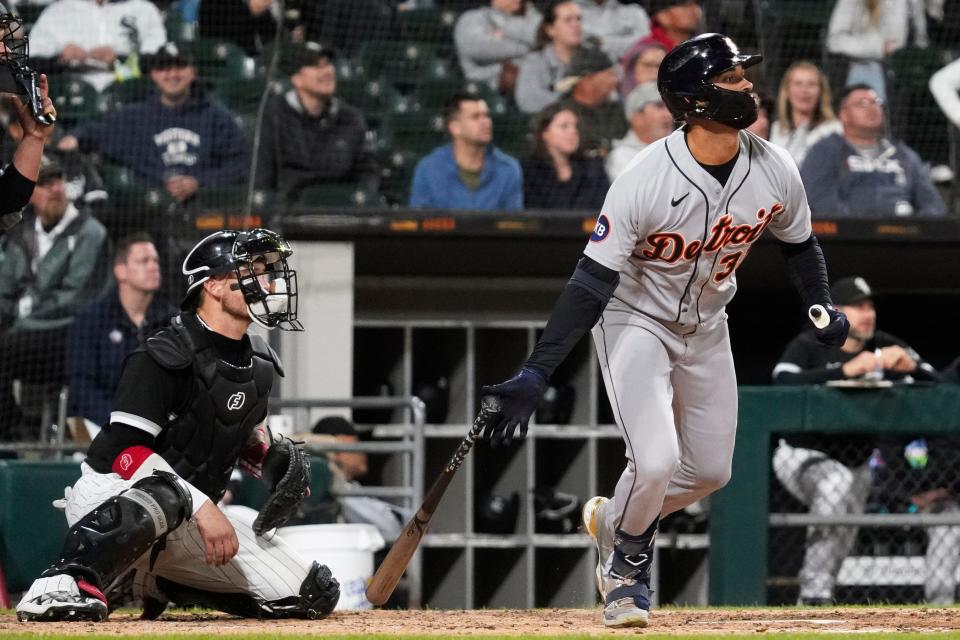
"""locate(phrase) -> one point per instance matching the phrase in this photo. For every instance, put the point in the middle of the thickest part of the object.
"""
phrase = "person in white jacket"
(490, 40)
(96, 36)
(613, 26)
(804, 111)
(944, 85)
(865, 32)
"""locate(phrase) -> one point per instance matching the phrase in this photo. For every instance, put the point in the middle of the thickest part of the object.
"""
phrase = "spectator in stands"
(612, 25)
(804, 113)
(672, 22)
(944, 85)
(101, 39)
(180, 138)
(761, 126)
(862, 33)
(348, 469)
(589, 93)
(51, 264)
(559, 35)
(108, 329)
(862, 173)
(828, 478)
(468, 173)
(649, 120)
(309, 135)
(557, 175)
(491, 40)
(250, 24)
(640, 66)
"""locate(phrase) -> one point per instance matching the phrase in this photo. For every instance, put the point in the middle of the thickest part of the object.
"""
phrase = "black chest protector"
(204, 441)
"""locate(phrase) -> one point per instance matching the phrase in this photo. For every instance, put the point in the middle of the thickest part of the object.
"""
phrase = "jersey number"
(729, 264)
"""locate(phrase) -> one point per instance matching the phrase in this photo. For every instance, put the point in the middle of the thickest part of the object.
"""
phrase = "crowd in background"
(171, 108)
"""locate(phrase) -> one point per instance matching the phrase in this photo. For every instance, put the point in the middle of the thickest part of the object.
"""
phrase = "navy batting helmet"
(684, 81)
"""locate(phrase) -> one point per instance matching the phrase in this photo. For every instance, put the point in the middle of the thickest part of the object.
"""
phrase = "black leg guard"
(319, 594)
(105, 542)
(633, 555)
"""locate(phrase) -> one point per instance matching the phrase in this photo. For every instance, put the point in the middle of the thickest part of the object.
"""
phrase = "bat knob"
(818, 316)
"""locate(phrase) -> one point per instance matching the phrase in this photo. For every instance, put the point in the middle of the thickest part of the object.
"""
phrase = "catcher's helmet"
(270, 291)
(684, 81)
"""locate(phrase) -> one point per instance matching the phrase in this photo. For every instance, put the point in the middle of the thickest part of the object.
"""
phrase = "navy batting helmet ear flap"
(685, 75)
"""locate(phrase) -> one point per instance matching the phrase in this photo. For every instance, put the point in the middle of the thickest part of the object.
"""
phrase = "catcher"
(189, 408)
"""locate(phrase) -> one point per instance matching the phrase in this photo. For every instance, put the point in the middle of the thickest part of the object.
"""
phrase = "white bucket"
(346, 548)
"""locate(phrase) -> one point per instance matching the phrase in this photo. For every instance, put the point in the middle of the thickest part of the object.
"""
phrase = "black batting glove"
(835, 333)
(519, 397)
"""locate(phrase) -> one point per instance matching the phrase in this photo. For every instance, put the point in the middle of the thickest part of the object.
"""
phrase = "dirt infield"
(523, 622)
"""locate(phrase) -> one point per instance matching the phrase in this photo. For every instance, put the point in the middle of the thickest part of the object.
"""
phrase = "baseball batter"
(190, 405)
(652, 284)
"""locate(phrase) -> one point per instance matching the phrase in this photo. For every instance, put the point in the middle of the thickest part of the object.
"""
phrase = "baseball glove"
(286, 472)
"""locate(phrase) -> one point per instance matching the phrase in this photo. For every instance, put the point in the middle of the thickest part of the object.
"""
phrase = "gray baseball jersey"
(676, 236)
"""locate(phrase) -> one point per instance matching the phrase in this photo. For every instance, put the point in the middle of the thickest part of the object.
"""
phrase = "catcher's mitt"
(286, 472)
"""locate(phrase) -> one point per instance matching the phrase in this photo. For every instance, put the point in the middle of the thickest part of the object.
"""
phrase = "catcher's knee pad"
(106, 541)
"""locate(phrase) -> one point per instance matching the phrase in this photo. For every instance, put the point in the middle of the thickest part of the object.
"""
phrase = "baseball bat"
(818, 316)
(385, 580)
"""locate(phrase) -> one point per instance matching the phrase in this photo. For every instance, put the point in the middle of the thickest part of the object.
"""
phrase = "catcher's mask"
(16, 76)
(258, 259)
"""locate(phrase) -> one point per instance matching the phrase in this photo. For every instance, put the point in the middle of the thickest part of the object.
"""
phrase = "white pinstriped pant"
(264, 567)
(674, 397)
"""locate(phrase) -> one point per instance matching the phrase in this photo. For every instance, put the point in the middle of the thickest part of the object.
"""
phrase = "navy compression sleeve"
(807, 270)
(577, 309)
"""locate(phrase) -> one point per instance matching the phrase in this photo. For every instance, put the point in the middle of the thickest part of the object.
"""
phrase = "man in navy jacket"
(179, 138)
(862, 173)
(107, 330)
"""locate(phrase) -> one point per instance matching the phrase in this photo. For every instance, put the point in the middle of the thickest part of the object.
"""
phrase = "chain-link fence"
(864, 518)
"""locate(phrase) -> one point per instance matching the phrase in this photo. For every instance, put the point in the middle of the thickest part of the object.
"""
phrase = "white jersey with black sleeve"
(677, 236)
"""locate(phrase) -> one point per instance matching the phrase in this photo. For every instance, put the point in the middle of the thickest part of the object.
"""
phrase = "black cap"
(296, 55)
(850, 291)
(171, 54)
(585, 61)
(334, 426)
(49, 168)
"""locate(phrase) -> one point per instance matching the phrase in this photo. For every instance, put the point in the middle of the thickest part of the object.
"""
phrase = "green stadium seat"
(177, 28)
(337, 194)
(415, 131)
(401, 61)
(76, 99)
(243, 96)
(374, 98)
(126, 189)
(29, 12)
(427, 25)
(220, 61)
(910, 68)
(396, 175)
(511, 134)
(121, 93)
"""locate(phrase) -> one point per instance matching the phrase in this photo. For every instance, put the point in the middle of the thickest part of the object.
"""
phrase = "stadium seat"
(415, 131)
(127, 190)
(121, 93)
(338, 194)
(401, 62)
(221, 61)
(427, 25)
(76, 99)
(396, 174)
(511, 134)
(374, 98)
(243, 96)
(29, 12)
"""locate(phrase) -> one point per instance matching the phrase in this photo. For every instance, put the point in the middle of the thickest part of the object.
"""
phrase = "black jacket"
(298, 150)
(585, 189)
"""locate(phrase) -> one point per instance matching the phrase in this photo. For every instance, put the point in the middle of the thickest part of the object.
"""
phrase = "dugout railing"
(742, 524)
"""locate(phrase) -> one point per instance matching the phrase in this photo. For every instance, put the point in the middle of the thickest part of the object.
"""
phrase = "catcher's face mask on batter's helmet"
(685, 75)
(258, 259)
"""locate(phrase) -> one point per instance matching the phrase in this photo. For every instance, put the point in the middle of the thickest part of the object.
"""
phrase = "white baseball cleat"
(596, 523)
(631, 608)
(61, 597)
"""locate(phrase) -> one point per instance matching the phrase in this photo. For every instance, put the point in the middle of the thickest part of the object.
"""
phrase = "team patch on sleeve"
(602, 229)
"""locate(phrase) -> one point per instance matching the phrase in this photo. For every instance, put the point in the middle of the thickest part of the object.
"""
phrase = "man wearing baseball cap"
(309, 135)
(868, 353)
(587, 89)
(649, 120)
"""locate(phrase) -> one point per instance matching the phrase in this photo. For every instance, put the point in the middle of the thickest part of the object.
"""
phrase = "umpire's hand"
(219, 537)
(519, 397)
